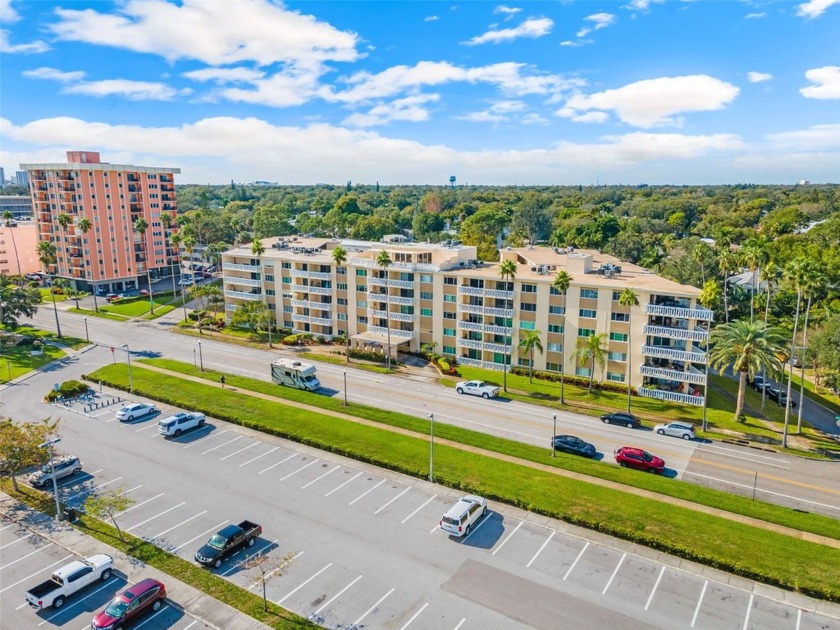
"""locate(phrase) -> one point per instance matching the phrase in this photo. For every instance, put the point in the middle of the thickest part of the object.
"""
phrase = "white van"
(461, 517)
(293, 373)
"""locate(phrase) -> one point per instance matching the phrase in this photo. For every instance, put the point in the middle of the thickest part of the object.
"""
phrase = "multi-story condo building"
(111, 256)
(18, 248)
(19, 205)
(441, 294)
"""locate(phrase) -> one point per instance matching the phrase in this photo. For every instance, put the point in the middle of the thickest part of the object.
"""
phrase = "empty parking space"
(723, 607)
(677, 596)
(634, 581)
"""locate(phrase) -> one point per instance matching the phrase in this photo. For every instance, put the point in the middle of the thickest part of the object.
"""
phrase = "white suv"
(676, 429)
(180, 422)
(460, 518)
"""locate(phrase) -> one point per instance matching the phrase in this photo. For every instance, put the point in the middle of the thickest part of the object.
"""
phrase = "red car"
(631, 457)
(147, 595)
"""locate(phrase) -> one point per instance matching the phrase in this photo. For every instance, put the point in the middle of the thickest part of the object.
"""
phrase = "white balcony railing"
(398, 317)
(238, 267)
(395, 332)
(319, 306)
(486, 328)
(395, 284)
(248, 282)
(307, 288)
(402, 301)
(470, 326)
(676, 333)
(661, 394)
(486, 310)
(487, 365)
(469, 343)
(309, 319)
(673, 375)
(242, 295)
(315, 275)
(676, 311)
(465, 290)
(663, 352)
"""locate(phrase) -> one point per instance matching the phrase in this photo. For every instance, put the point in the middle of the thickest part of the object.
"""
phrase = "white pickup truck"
(477, 388)
(70, 579)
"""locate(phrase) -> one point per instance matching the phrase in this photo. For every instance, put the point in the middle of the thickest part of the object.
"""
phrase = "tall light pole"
(130, 380)
(200, 357)
(345, 388)
(553, 434)
(48, 445)
(87, 334)
(706, 394)
(432, 448)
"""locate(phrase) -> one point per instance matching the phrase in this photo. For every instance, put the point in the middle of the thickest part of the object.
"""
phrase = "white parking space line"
(392, 500)
(342, 485)
(278, 463)
(41, 570)
(174, 507)
(124, 492)
(435, 528)
(77, 602)
(574, 564)
(212, 529)
(332, 470)
(238, 565)
(191, 625)
(372, 608)
(166, 531)
(91, 490)
(209, 435)
(366, 492)
(335, 597)
(460, 623)
(137, 505)
(314, 461)
(516, 529)
(540, 550)
(417, 614)
(798, 617)
(655, 586)
(7, 527)
(16, 541)
(699, 603)
(31, 553)
(614, 573)
(96, 472)
(300, 586)
(749, 610)
(210, 450)
(475, 529)
(239, 451)
(429, 500)
(258, 456)
(279, 568)
(151, 426)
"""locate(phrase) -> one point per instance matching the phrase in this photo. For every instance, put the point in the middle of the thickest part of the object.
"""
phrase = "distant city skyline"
(532, 93)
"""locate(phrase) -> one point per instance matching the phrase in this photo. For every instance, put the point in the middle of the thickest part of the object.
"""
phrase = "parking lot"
(366, 544)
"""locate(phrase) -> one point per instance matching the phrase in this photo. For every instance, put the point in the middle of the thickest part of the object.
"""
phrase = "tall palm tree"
(176, 245)
(166, 222)
(528, 343)
(46, 254)
(592, 348)
(258, 249)
(384, 261)
(9, 217)
(140, 226)
(339, 256)
(746, 348)
(64, 221)
(727, 260)
(629, 299)
(815, 282)
(797, 273)
(507, 272)
(84, 226)
(188, 242)
(561, 284)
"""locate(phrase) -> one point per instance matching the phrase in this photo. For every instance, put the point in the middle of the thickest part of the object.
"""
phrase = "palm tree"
(813, 284)
(727, 260)
(592, 348)
(798, 273)
(529, 341)
(384, 261)
(84, 226)
(507, 272)
(747, 348)
(176, 245)
(710, 294)
(188, 242)
(46, 254)
(141, 226)
(64, 221)
(9, 217)
(258, 249)
(339, 256)
(168, 242)
(629, 299)
(562, 281)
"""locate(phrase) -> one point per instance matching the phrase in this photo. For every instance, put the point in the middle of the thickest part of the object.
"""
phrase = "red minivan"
(145, 596)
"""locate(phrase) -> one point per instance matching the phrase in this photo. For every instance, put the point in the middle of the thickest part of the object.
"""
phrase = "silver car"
(683, 430)
(64, 467)
(135, 410)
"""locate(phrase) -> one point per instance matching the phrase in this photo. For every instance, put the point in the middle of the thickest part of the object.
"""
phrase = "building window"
(616, 378)
(589, 293)
(587, 312)
(583, 371)
(342, 271)
(614, 336)
(554, 328)
(342, 317)
(586, 332)
(447, 315)
(557, 310)
(287, 309)
(527, 325)
(286, 280)
(553, 367)
(524, 306)
(426, 312)
(616, 295)
(555, 347)
(617, 356)
(270, 292)
(425, 295)
(449, 332)
(341, 286)
(360, 288)
(341, 301)
(620, 317)
(425, 277)
(449, 298)
(448, 350)
(529, 288)
(361, 303)
(362, 319)
(450, 280)
(269, 278)
(525, 362)
(361, 272)
(286, 265)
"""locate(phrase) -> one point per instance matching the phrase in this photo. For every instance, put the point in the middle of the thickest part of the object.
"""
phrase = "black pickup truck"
(227, 542)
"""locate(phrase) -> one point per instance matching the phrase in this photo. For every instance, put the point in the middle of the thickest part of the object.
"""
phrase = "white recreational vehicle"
(295, 374)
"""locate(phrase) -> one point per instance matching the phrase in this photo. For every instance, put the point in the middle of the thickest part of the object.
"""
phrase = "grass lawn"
(132, 309)
(101, 314)
(17, 360)
(824, 397)
(336, 360)
(49, 336)
(46, 297)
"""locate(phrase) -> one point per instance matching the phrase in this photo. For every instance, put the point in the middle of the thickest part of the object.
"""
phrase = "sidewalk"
(182, 597)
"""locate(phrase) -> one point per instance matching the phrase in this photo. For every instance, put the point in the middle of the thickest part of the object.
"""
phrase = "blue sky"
(628, 92)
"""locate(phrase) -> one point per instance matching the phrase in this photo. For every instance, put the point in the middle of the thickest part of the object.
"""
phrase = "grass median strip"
(733, 546)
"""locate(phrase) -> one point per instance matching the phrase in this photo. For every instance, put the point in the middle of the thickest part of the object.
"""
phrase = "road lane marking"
(300, 586)
(751, 473)
(187, 628)
(278, 463)
(571, 568)
(157, 496)
(798, 617)
(166, 531)
(210, 450)
(16, 541)
(258, 456)
(504, 542)
(392, 500)
(77, 602)
(331, 470)
(540, 550)
(174, 507)
(749, 610)
(314, 461)
(366, 492)
(49, 566)
(460, 623)
(343, 484)
(777, 494)
(31, 553)
(655, 586)
(239, 451)
(209, 435)
(372, 608)
(212, 529)
(429, 500)
(614, 573)
(335, 597)
(417, 614)
(699, 603)
(89, 490)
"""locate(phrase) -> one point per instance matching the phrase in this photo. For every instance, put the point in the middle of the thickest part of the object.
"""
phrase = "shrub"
(367, 355)
(305, 339)
(68, 389)
(571, 379)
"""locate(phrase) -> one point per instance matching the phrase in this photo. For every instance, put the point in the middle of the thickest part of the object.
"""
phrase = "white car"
(180, 422)
(683, 430)
(127, 413)
(477, 388)
(461, 517)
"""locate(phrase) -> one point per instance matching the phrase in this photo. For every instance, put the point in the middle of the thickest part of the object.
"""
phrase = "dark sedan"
(621, 417)
(573, 445)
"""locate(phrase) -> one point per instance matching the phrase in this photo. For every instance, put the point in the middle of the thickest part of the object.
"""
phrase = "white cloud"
(592, 117)
(815, 8)
(599, 21)
(826, 80)
(655, 101)
(214, 32)
(408, 109)
(532, 27)
(52, 74)
(641, 5)
(431, 18)
(7, 14)
(755, 16)
(572, 44)
(758, 77)
(500, 111)
(816, 137)
(290, 87)
(26, 49)
(133, 90)
(224, 75)
(506, 10)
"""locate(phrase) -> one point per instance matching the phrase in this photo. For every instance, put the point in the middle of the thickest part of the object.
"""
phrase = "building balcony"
(248, 282)
(398, 317)
(396, 284)
(664, 352)
(306, 288)
(315, 275)
(489, 293)
(486, 365)
(486, 310)
(309, 319)
(482, 345)
(395, 332)
(401, 301)
(703, 314)
(238, 267)
(486, 328)
(677, 333)
(242, 295)
(673, 375)
(320, 306)
(662, 394)
(413, 267)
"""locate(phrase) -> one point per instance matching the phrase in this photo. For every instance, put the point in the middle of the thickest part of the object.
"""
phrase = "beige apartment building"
(441, 294)
(111, 256)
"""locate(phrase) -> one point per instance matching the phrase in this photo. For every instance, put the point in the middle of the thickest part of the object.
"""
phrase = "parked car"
(759, 383)
(64, 467)
(621, 417)
(631, 457)
(683, 430)
(180, 422)
(778, 395)
(461, 517)
(573, 445)
(133, 411)
(477, 388)
(145, 596)
(69, 579)
(33, 276)
(113, 297)
(227, 542)
(146, 292)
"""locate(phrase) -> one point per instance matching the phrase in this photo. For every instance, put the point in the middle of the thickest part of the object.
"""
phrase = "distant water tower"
(452, 181)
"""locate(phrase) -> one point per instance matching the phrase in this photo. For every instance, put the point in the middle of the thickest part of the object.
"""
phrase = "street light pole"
(130, 380)
(706, 394)
(345, 388)
(87, 334)
(432, 448)
(200, 357)
(48, 445)
(553, 434)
